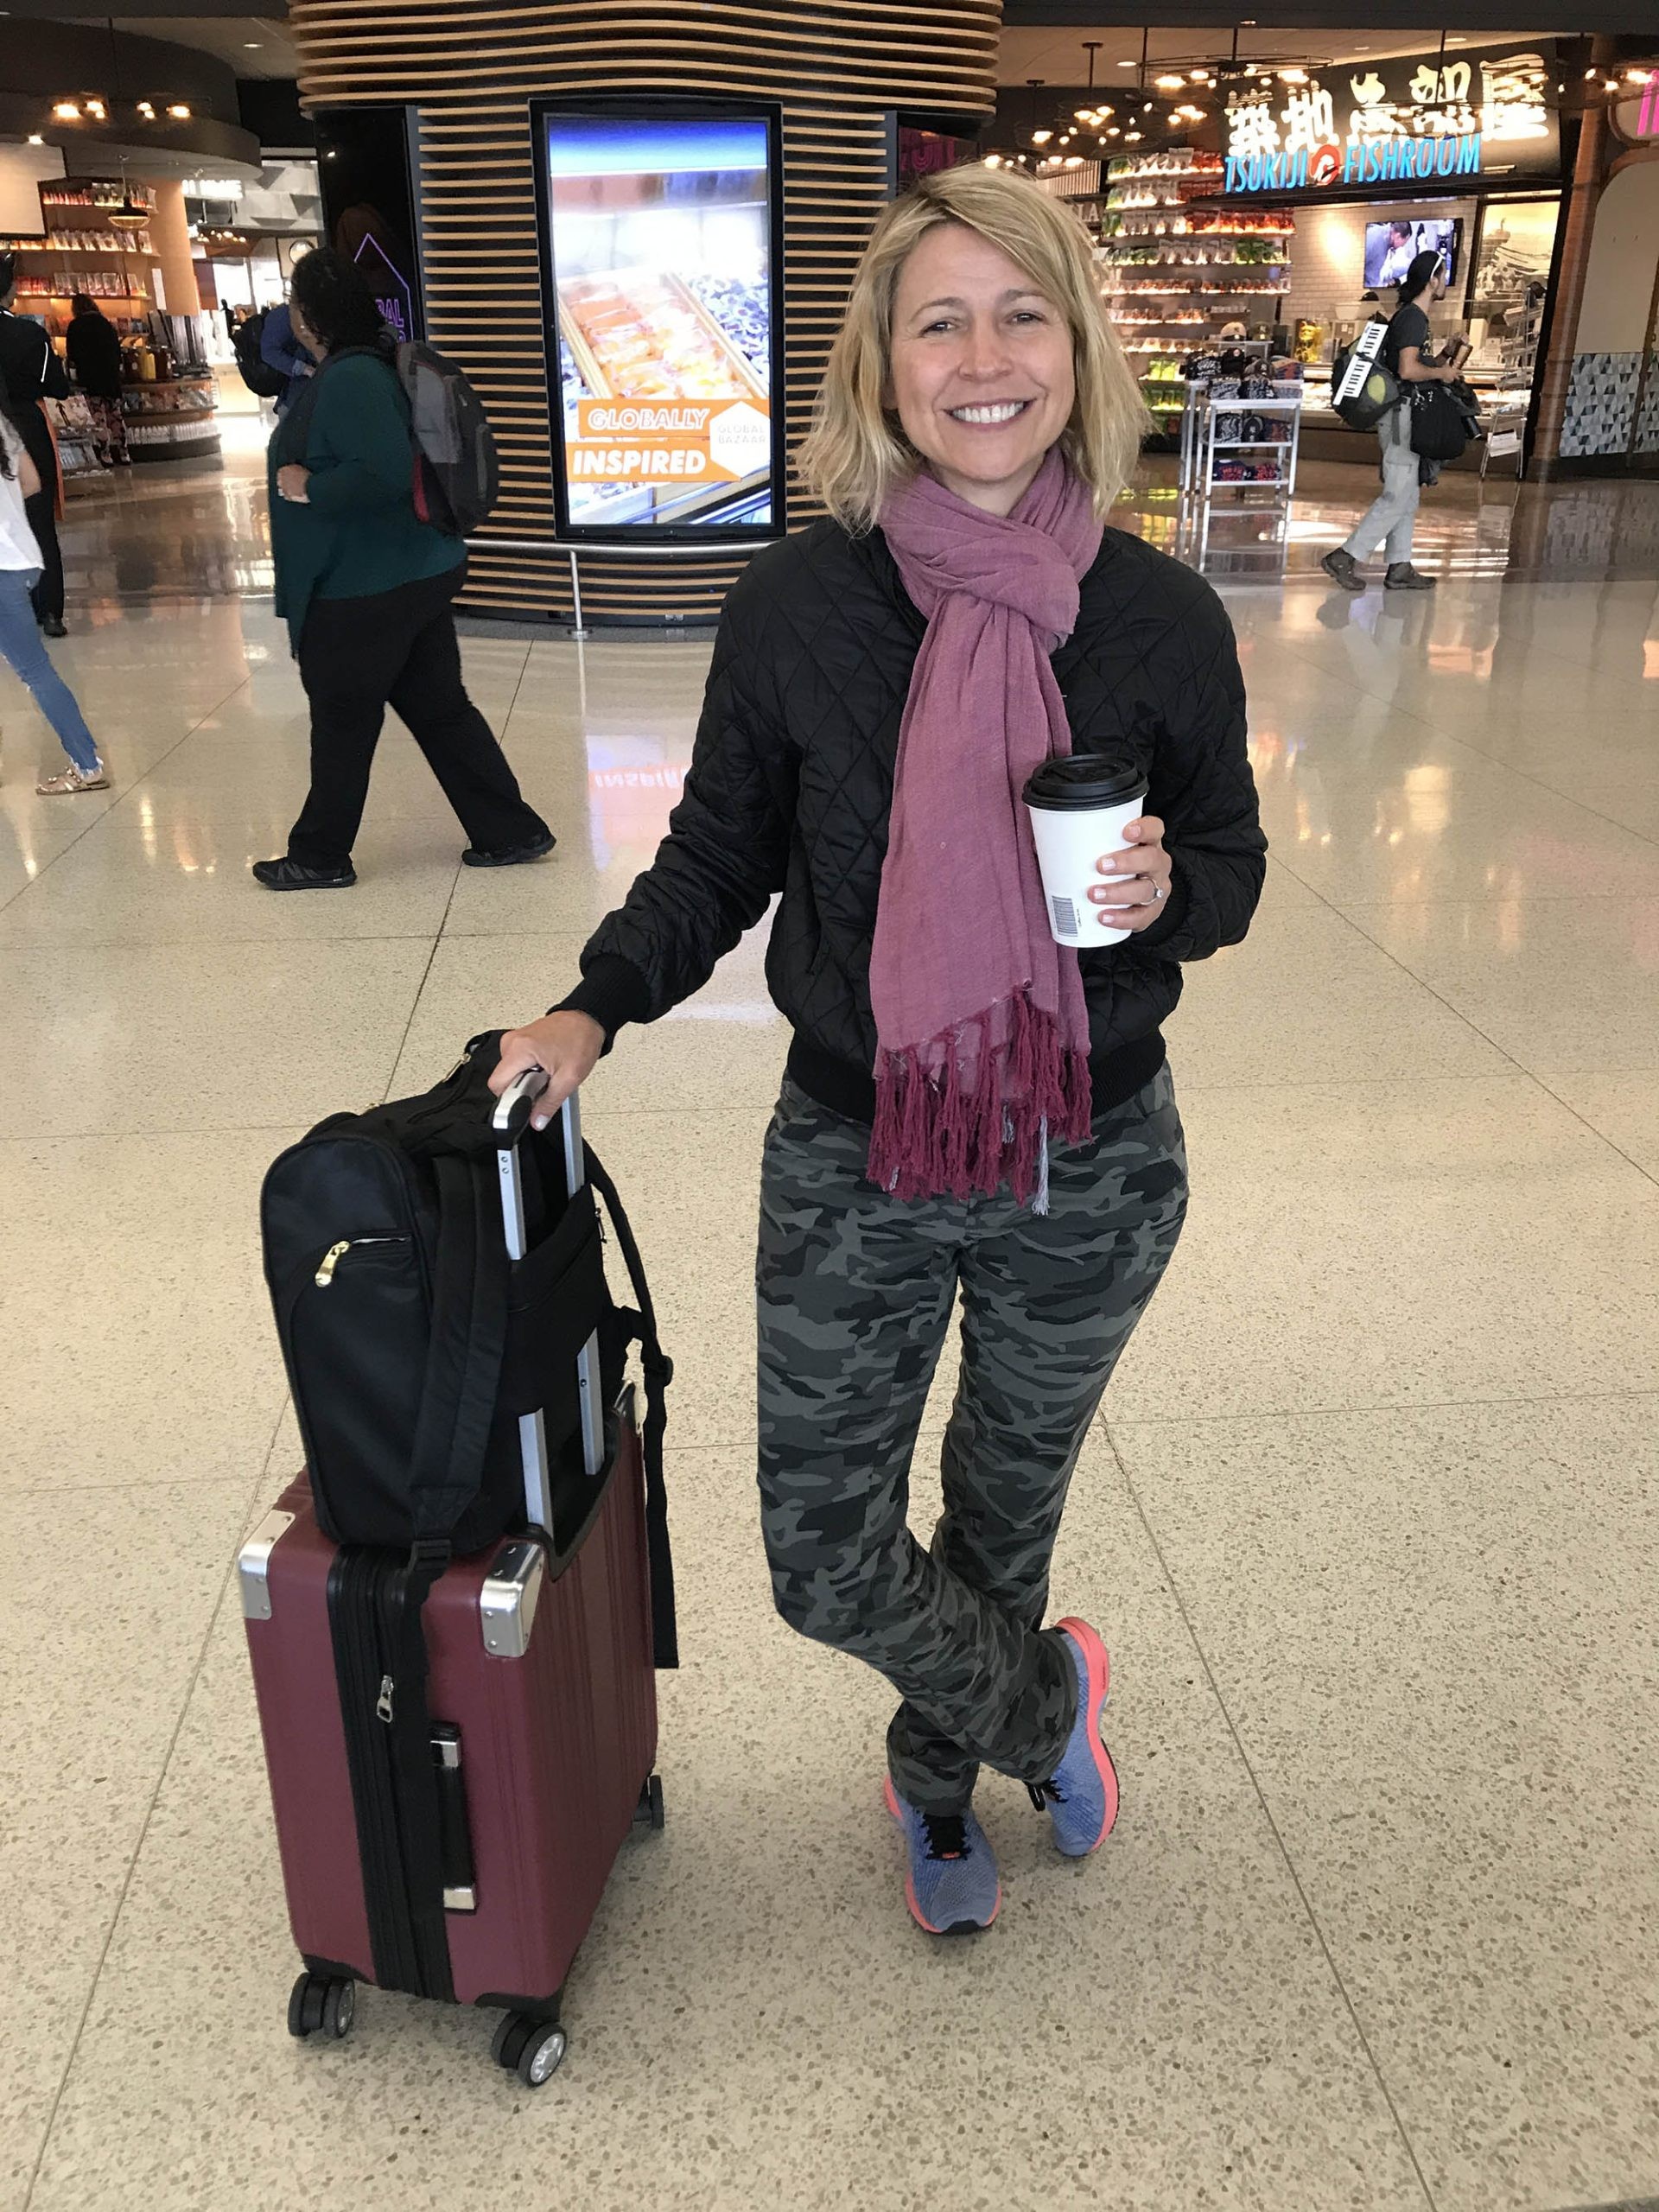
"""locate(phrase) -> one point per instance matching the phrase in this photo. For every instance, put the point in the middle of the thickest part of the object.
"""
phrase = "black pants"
(47, 598)
(398, 648)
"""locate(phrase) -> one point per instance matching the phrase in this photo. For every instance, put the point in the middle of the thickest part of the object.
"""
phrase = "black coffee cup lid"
(1082, 781)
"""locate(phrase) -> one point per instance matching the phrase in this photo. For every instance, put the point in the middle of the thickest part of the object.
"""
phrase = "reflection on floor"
(182, 529)
(1371, 1518)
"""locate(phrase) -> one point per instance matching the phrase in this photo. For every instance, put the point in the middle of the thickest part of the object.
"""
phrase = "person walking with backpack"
(969, 1105)
(1392, 513)
(366, 588)
(94, 349)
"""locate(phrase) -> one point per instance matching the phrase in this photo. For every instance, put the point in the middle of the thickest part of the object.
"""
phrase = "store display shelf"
(1185, 175)
(1177, 226)
(1248, 445)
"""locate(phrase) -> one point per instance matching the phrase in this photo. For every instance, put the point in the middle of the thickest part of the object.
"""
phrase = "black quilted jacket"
(792, 782)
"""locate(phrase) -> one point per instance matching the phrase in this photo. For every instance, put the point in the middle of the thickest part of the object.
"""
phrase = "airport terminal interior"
(1369, 1518)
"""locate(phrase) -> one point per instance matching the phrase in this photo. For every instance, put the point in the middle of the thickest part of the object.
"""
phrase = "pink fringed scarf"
(981, 1027)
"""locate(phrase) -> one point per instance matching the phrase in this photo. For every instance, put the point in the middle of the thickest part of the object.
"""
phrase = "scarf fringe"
(934, 1136)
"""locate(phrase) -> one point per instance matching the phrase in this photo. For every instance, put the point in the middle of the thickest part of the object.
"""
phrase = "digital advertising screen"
(661, 254)
(1390, 248)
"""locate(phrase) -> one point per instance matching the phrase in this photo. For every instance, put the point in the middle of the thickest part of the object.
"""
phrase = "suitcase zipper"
(336, 1252)
(394, 1806)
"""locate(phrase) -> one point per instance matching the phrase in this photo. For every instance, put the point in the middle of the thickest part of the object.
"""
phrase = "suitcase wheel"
(533, 2049)
(649, 1810)
(319, 2004)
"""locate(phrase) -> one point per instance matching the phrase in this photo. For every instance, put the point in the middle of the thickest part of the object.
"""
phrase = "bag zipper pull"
(336, 1252)
(383, 1703)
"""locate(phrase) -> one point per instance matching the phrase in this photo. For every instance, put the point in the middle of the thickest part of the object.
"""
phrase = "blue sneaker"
(1080, 1797)
(950, 1884)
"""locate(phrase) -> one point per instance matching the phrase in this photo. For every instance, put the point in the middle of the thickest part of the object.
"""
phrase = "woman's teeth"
(1003, 411)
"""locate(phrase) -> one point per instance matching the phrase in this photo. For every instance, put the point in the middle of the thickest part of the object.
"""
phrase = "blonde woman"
(969, 1109)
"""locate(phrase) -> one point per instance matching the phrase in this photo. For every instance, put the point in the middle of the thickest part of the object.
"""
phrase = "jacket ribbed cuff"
(612, 991)
(1171, 920)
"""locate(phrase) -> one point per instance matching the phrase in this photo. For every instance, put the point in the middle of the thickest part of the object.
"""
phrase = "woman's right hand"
(567, 1045)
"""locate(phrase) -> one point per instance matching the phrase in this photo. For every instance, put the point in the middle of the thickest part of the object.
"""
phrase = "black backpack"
(413, 1344)
(1442, 422)
(457, 471)
(254, 370)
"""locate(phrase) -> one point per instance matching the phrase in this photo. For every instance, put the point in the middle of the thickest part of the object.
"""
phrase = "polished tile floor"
(1371, 1519)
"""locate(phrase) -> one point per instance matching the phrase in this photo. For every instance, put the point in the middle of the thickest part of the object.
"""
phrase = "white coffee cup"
(1080, 806)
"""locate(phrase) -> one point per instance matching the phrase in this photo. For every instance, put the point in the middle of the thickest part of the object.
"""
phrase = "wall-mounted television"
(662, 268)
(1391, 247)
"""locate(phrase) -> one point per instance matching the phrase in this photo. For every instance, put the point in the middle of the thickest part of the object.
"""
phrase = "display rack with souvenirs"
(1241, 438)
(1174, 274)
(169, 401)
(78, 249)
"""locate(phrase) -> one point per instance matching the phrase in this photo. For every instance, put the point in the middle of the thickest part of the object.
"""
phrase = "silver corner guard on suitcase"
(253, 1565)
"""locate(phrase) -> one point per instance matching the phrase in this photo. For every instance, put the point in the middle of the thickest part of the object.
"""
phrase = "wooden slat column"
(837, 67)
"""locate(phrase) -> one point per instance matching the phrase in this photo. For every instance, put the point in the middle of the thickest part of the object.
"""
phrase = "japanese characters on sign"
(1412, 120)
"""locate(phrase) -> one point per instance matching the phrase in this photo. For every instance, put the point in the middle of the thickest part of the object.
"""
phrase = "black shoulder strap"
(659, 1373)
(468, 1343)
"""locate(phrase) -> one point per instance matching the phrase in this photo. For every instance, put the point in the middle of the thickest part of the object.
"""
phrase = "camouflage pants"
(855, 1291)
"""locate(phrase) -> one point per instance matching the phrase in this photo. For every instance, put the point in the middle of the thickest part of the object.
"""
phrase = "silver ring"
(1157, 890)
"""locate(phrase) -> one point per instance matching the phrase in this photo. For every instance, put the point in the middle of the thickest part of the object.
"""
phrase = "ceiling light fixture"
(1041, 138)
(178, 111)
(1170, 84)
(66, 111)
(35, 139)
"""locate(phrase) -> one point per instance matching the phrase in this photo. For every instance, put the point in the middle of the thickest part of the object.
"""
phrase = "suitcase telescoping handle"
(510, 1121)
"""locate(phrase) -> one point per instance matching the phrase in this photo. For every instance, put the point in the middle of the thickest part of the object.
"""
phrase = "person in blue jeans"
(21, 642)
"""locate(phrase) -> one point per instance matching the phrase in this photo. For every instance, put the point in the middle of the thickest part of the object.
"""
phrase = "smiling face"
(981, 370)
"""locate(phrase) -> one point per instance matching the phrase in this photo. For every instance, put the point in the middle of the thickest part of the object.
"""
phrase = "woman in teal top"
(366, 589)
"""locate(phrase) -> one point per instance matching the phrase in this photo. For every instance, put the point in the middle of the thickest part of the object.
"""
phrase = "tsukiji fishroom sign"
(1417, 124)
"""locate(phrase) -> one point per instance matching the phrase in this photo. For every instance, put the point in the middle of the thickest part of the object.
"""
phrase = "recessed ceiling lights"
(35, 139)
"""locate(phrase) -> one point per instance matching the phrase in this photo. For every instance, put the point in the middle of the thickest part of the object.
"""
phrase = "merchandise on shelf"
(1156, 249)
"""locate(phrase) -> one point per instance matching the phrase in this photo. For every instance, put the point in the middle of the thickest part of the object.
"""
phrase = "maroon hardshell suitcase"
(540, 1701)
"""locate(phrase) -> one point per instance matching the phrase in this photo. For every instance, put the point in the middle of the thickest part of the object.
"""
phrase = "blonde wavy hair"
(856, 451)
